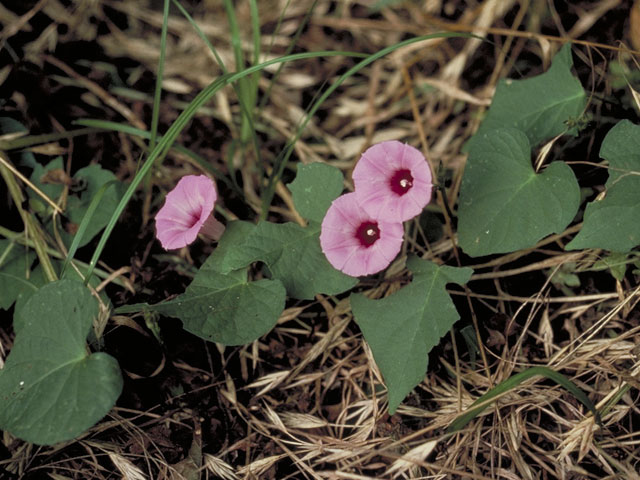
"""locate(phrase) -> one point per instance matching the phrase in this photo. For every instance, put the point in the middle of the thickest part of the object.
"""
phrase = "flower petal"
(185, 210)
(342, 247)
(372, 178)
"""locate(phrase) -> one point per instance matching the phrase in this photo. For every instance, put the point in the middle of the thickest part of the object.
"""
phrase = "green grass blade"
(290, 47)
(95, 201)
(509, 384)
(282, 159)
(31, 140)
(180, 123)
(202, 36)
(128, 129)
(157, 95)
(255, 29)
(246, 113)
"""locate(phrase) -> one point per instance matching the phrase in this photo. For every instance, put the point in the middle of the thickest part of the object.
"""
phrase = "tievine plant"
(56, 383)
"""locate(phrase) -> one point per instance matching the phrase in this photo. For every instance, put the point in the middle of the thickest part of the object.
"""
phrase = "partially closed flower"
(392, 181)
(187, 212)
(355, 242)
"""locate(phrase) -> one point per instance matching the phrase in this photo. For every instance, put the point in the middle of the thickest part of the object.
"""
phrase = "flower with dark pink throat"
(355, 242)
(392, 181)
(187, 212)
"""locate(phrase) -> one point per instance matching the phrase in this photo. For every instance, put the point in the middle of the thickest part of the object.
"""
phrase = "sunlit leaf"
(504, 204)
(315, 187)
(402, 328)
(541, 106)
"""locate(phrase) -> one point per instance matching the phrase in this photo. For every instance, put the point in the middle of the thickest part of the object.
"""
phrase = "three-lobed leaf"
(504, 204)
(540, 106)
(226, 308)
(402, 328)
(51, 388)
(220, 304)
(613, 222)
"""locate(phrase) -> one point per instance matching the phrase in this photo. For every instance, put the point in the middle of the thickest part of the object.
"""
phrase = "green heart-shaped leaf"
(315, 187)
(540, 106)
(52, 389)
(613, 223)
(504, 205)
(402, 328)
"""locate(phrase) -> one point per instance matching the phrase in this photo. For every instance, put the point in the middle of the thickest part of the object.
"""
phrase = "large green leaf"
(504, 205)
(402, 328)
(294, 257)
(315, 187)
(15, 264)
(613, 222)
(540, 106)
(51, 388)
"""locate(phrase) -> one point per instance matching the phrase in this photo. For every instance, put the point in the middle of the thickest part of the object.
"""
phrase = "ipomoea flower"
(187, 212)
(392, 181)
(357, 243)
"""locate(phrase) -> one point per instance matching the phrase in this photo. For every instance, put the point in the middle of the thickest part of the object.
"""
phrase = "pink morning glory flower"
(392, 181)
(187, 212)
(355, 242)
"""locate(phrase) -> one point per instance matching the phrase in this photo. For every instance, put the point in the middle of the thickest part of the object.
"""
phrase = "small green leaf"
(613, 223)
(15, 263)
(315, 187)
(402, 328)
(51, 388)
(540, 106)
(294, 257)
(86, 184)
(40, 177)
(615, 262)
(90, 179)
(504, 205)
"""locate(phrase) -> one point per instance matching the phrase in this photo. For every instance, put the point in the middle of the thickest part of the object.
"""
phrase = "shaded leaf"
(613, 223)
(504, 205)
(52, 390)
(89, 180)
(402, 328)
(15, 264)
(85, 185)
(227, 308)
